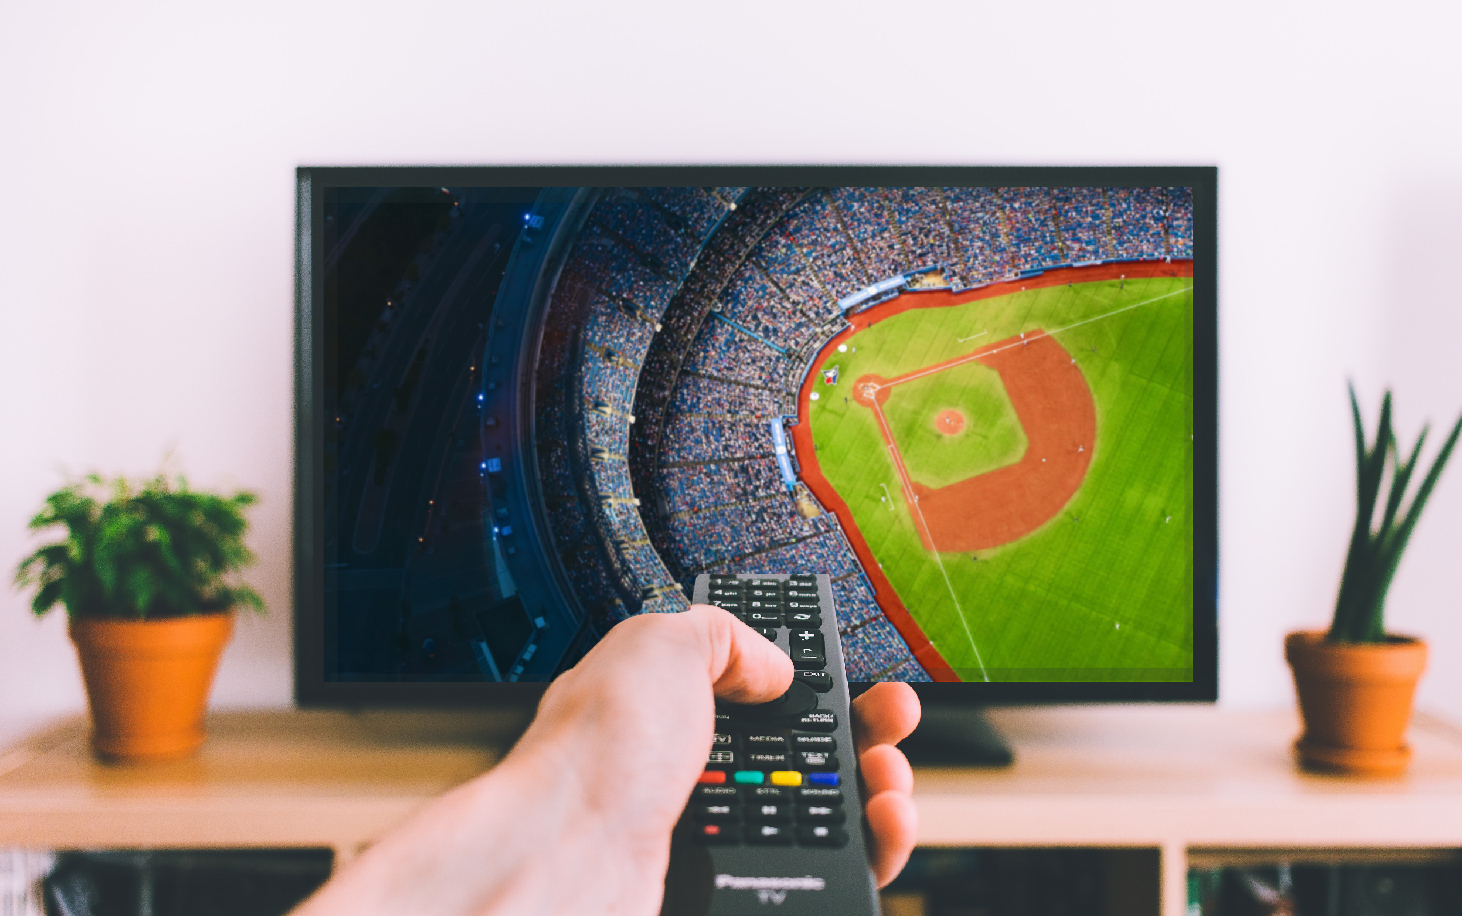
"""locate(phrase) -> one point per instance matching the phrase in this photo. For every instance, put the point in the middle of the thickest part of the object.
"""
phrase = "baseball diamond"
(1037, 477)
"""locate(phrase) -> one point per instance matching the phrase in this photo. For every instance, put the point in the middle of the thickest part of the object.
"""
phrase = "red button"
(711, 829)
(712, 778)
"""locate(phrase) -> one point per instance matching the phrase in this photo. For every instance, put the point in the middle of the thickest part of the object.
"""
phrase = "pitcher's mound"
(951, 422)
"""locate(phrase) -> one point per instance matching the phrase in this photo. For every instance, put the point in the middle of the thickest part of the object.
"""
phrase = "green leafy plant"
(1375, 551)
(139, 550)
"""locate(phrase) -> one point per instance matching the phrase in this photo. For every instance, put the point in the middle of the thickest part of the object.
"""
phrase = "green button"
(749, 777)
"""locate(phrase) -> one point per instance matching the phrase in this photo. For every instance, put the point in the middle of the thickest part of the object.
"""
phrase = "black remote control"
(775, 823)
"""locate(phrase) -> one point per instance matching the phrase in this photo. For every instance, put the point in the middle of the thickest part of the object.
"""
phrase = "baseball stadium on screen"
(549, 409)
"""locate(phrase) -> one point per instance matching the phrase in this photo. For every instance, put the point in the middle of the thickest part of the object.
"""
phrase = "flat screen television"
(533, 402)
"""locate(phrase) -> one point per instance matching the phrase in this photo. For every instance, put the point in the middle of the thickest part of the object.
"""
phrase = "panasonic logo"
(738, 883)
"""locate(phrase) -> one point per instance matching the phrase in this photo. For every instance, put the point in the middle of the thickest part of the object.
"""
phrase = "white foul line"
(973, 337)
(916, 510)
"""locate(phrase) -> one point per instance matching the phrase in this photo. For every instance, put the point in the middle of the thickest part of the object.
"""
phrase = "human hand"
(578, 817)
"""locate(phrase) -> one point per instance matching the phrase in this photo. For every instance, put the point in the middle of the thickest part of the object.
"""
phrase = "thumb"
(743, 666)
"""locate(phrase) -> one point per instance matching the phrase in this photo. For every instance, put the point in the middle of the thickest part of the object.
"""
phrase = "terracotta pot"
(1356, 700)
(148, 682)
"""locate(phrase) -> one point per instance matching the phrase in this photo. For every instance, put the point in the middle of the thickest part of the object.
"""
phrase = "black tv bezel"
(311, 687)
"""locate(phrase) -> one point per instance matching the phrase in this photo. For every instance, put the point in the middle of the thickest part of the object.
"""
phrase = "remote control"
(775, 822)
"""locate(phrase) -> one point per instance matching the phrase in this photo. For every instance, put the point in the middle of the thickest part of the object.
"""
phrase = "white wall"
(145, 245)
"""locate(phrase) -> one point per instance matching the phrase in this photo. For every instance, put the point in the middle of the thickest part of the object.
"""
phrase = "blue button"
(823, 779)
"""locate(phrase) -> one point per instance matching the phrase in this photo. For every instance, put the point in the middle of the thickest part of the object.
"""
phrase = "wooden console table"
(1193, 783)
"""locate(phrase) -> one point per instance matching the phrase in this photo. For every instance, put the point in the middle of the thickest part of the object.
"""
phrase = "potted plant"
(1356, 682)
(144, 570)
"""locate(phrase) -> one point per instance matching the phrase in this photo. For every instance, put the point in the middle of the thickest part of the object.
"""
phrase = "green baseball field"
(1018, 470)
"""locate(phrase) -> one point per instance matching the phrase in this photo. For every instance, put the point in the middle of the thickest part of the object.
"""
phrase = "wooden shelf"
(1179, 779)
(266, 779)
(1185, 777)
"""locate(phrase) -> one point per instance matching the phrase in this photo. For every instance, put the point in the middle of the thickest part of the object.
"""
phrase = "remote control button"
(810, 638)
(801, 618)
(769, 633)
(760, 582)
(824, 779)
(769, 834)
(764, 618)
(724, 794)
(814, 742)
(768, 812)
(802, 579)
(712, 778)
(716, 834)
(766, 741)
(721, 740)
(816, 720)
(802, 604)
(720, 758)
(822, 835)
(737, 608)
(817, 681)
(786, 777)
(714, 813)
(820, 813)
(817, 760)
(766, 761)
(823, 795)
(748, 777)
(796, 701)
(772, 793)
(807, 658)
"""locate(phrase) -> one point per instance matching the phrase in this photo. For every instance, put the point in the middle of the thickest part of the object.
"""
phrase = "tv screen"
(534, 402)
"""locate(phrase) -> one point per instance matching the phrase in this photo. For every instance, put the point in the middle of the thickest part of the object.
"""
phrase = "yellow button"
(785, 777)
